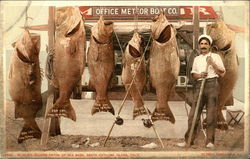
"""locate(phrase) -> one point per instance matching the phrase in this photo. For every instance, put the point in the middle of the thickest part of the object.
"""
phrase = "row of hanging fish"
(69, 62)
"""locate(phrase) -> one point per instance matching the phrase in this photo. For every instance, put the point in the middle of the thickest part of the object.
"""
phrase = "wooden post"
(55, 125)
(51, 125)
(196, 27)
(47, 122)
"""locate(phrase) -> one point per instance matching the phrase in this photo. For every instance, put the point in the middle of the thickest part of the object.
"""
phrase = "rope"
(118, 42)
(20, 17)
(26, 18)
(49, 72)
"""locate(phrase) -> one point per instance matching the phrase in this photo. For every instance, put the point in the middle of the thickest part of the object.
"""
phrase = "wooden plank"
(37, 27)
(47, 122)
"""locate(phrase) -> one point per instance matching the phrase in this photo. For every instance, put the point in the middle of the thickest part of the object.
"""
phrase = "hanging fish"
(131, 61)
(224, 45)
(68, 60)
(164, 65)
(25, 83)
(101, 64)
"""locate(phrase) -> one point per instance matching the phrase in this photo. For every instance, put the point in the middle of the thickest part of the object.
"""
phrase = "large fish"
(164, 65)
(101, 64)
(68, 60)
(131, 60)
(25, 83)
(224, 45)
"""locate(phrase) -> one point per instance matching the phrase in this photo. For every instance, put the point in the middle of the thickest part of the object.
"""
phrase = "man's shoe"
(210, 145)
(181, 144)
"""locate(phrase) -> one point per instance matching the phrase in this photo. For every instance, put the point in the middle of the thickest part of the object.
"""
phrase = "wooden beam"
(196, 26)
(37, 27)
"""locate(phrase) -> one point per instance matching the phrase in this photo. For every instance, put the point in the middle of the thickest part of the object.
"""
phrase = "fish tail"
(139, 110)
(102, 106)
(221, 122)
(29, 130)
(163, 114)
(64, 109)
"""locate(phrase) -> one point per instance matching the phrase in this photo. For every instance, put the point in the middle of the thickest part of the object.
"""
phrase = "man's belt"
(209, 79)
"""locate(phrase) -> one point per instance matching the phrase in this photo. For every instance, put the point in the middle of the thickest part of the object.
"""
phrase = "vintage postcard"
(124, 79)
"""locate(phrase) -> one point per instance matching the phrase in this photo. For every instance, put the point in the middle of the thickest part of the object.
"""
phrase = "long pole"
(196, 112)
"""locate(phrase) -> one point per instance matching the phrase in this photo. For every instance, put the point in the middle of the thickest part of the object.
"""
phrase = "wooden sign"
(128, 13)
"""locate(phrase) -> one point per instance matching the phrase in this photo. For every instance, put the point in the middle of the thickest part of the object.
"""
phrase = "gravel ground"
(231, 140)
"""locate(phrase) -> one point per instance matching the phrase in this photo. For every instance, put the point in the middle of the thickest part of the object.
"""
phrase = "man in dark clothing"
(207, 65)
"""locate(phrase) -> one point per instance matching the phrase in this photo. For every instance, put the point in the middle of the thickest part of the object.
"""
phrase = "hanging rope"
(20, 17)
(118, 42)
(26, 18)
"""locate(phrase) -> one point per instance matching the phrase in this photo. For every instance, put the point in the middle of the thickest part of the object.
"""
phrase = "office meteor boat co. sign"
(127, 13)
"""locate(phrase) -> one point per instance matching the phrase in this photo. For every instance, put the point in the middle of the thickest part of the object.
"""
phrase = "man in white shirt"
(210, 93)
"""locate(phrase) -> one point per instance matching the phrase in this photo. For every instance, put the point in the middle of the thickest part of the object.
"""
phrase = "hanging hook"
(26, 18)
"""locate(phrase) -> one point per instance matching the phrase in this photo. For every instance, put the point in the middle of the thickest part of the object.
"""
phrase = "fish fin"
(102, 106)
(90, 85)
(62, 110)
(139, 111)
(163, 115)
(10, 72)
(175, 64)
(230, 100)
(28, 133)
(221, 122)
(13, 44)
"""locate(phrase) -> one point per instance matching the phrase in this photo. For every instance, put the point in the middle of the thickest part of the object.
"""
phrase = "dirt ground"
(231, 140)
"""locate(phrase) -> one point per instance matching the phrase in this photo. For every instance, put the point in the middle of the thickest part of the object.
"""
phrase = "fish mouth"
(73, 31)
(165, 35)
(22, 57)
(108, 23)
(134, 52)
(228, 46)
(99, 42)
